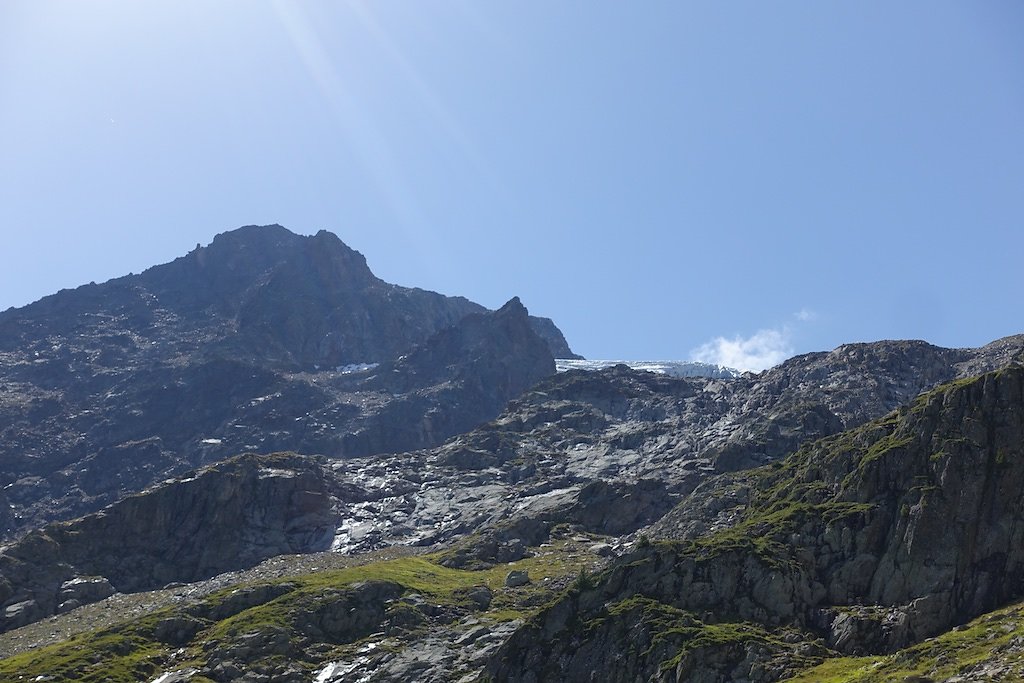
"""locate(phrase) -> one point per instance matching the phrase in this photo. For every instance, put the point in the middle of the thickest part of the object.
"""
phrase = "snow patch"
(673, 368)
(179, 676)
(338, 671)
(356, 367)
(273, 472)
(260, 399)
(212, 442)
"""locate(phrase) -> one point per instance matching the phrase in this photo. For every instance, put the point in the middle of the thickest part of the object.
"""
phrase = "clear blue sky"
(664, 179)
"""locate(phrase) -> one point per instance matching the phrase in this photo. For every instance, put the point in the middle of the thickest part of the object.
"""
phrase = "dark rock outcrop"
(459, 378)
(546, 330)
(229, 516)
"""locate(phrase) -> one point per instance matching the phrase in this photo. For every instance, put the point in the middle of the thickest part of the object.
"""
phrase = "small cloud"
(805, 315)
(757, 352)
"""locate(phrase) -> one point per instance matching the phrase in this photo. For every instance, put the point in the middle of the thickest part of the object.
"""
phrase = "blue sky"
(732, 181)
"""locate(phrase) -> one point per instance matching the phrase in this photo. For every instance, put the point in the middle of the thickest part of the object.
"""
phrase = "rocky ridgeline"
(243, 345)
(671, 368)
(862, 543)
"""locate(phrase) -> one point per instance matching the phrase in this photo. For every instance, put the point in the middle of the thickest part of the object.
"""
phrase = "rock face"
(261, 341)
(229, 516)
(546, 330)
(871, 540)
(615, 450)
(472, 369)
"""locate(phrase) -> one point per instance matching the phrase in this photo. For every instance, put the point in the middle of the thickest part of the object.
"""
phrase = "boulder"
(517, 577)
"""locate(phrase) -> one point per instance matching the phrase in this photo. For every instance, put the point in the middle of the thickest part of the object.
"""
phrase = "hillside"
(261, 463)
(859, 544)
(262, 341)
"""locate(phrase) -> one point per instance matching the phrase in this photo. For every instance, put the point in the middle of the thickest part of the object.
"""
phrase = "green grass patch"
(129, 652)
(441, 585)
(115, 656)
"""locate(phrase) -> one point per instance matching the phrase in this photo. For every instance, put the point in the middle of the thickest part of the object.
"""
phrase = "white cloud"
(761, 350)
(805, 315)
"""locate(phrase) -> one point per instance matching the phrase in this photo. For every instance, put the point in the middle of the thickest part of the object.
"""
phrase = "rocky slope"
(261, 341)
(229, 516)
(614, 450)
(302, 618)
(862, 543)
(608, 452)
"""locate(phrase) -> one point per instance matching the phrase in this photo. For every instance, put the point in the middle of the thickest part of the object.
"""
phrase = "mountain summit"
(261, 293)
(263, 340)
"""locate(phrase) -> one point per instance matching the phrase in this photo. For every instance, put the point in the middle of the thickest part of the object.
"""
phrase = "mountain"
(260, 463)
(259, 294)
(248, 344)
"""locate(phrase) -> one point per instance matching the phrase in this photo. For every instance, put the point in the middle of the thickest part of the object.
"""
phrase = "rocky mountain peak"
(246, 264)
(489, 347)
(513, 307)
(252, 238)
(109, 387)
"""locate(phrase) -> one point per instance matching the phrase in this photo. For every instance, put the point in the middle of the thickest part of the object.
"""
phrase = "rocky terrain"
(609, 452)
(863, 543)
(871, 540)
(262, 341)
(457, 511)
(325, 617)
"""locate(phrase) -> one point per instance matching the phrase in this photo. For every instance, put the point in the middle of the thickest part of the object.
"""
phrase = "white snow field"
(674, 368)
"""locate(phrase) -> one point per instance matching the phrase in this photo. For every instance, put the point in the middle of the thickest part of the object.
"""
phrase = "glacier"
(674, 368)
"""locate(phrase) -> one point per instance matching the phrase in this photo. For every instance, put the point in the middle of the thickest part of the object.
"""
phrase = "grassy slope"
(129, 652)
